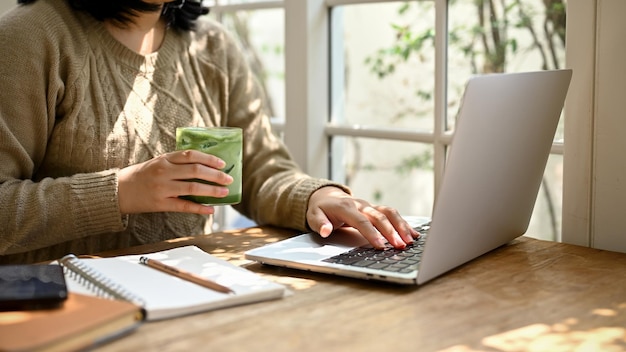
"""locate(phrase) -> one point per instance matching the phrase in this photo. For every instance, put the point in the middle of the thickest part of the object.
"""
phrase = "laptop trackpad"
(311, 246)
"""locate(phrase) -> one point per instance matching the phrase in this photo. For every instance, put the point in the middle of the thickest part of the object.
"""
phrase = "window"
(382, 78)
(372, 86)
(259, 28)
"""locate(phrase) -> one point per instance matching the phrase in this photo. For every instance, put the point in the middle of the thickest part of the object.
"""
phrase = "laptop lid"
(504, 134)
(506, 125)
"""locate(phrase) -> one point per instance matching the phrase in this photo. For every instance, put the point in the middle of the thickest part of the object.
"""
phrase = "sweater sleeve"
(37, 213)
(275, 190)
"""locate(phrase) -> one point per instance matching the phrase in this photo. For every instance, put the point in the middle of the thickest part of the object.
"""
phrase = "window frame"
(308, 25)
(307, 130)
(307, 52)
(579, 127)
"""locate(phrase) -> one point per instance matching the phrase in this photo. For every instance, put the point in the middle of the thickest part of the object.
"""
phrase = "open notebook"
(165, 296)
(506, 125)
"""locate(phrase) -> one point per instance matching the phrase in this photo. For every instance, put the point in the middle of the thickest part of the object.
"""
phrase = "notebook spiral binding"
(96, 282)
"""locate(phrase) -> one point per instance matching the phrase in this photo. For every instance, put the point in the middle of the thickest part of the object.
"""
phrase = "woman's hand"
(331, 208)
(154, 185)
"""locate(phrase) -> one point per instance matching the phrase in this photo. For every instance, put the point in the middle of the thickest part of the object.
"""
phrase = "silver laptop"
(506, 125)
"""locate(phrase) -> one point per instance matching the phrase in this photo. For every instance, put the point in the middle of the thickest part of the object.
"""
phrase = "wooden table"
(529, 295)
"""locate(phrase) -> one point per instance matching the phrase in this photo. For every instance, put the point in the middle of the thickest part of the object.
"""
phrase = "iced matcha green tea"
(223, 142)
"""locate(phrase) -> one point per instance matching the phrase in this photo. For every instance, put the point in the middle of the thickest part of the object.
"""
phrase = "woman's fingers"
(378, 224)
(194, 157)
(155, 185)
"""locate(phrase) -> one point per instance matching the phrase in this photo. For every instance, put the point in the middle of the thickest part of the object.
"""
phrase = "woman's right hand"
(154, 185)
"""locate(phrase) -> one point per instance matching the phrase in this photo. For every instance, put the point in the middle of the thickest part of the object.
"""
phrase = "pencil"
(155, 264)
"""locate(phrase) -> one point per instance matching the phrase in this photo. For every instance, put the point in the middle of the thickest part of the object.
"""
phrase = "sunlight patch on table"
(558, 337)
(295, 283)
(605, 312)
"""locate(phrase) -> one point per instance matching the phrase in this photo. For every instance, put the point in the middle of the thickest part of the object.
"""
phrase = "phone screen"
(31, 286)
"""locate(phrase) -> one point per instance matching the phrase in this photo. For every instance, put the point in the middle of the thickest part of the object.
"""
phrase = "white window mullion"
(338, 93)
(247, 6)
(441, 139)
(579, 115)
(332, 3)
(307, 83)
(218, 10)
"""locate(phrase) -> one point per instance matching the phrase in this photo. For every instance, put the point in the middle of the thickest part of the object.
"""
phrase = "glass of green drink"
(225, 143)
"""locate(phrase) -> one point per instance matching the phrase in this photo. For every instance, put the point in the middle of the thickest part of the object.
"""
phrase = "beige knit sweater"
(76, 106)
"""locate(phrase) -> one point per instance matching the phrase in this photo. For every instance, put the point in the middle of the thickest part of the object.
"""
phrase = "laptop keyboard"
(390, 259)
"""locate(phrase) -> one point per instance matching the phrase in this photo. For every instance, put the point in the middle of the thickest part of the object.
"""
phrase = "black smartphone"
(31, 286)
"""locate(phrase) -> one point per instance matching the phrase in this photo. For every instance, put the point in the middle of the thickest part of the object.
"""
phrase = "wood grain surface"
(529, 295)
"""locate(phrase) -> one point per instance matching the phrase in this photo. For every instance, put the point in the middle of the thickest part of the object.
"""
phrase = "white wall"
(594, 198)
(609, 191)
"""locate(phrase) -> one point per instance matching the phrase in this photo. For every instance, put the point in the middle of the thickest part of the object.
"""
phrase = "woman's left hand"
(330, 208)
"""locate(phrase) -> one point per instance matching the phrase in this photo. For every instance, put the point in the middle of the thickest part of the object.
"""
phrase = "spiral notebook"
(162, 295)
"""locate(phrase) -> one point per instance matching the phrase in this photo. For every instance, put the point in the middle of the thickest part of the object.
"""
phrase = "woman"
(93, 91)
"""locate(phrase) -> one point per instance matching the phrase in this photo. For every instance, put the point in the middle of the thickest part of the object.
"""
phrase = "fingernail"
(326, 230)
(380, 243)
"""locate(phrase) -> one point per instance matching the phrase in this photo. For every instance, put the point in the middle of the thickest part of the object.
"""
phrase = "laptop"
(505, 128)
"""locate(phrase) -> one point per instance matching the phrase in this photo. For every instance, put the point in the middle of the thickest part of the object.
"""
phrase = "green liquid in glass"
(223, 142)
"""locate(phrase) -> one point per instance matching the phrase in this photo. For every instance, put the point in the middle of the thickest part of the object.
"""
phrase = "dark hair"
(179, 14)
